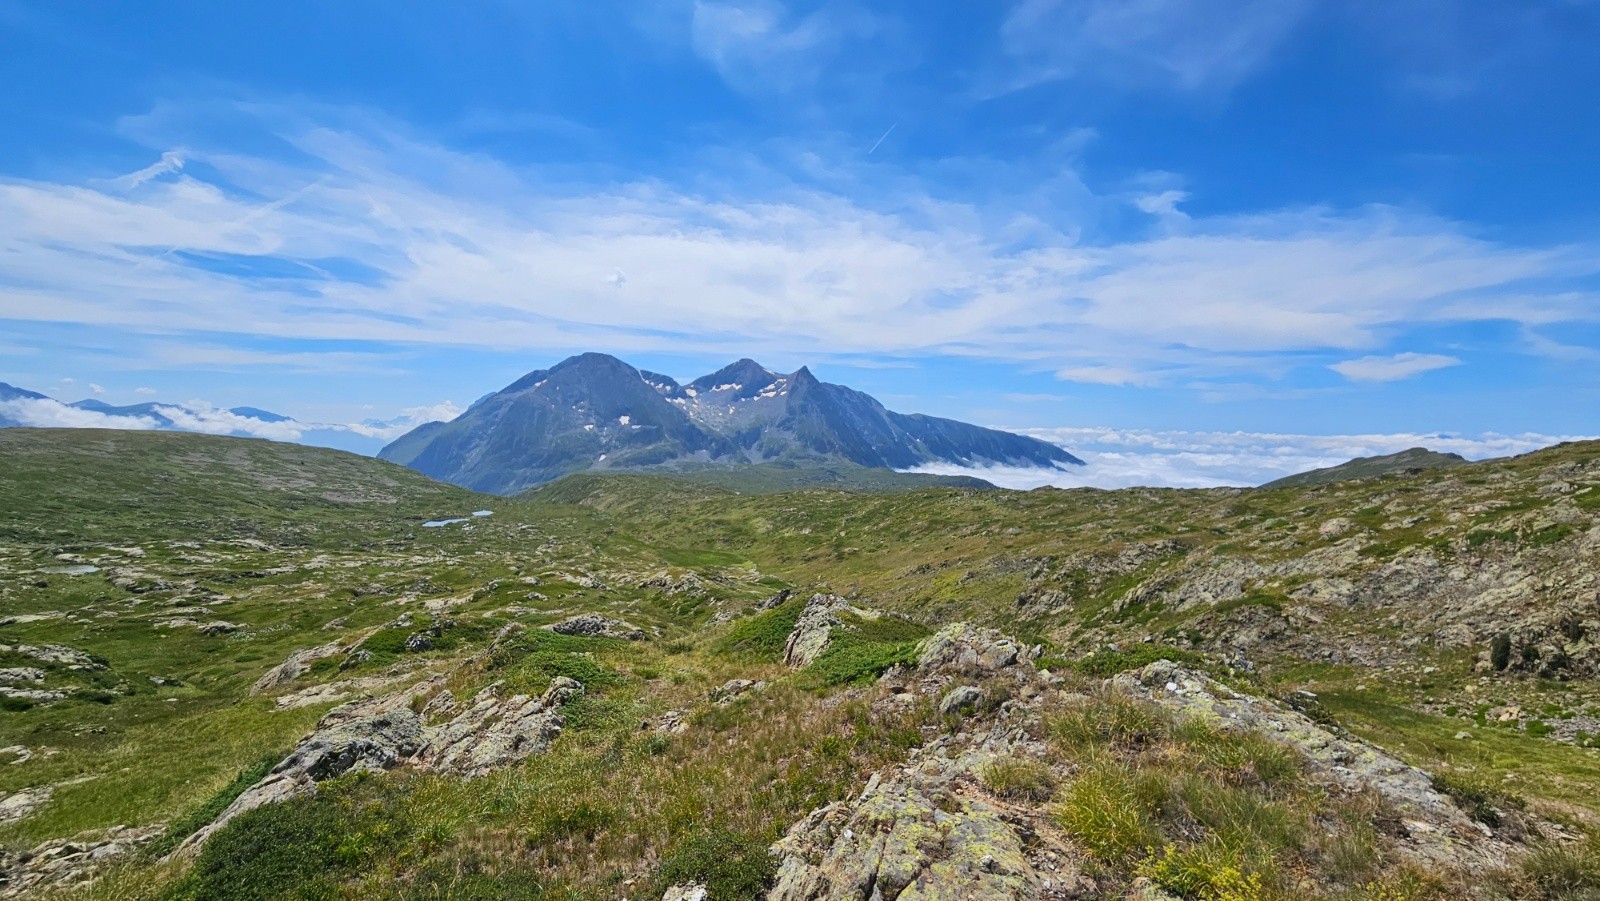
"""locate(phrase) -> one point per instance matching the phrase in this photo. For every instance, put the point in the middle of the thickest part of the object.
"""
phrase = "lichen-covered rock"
(733, 688)
(496, 731)
(814, 630)
(964, 648)
(368, 735)
(962, 699)
(908, 840)
(1438, 832)
(596, 626)
(690, 892)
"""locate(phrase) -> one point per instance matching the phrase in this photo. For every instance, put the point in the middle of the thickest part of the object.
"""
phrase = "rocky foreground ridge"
(940, 824)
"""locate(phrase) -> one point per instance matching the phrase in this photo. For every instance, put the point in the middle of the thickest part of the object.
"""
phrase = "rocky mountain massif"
(596, 412)
(237, 669)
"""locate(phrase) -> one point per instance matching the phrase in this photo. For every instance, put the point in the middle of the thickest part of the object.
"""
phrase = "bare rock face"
(596, 626)
(496, 731)
(294, 666)
(70, 861)
(908, 840)
(18, 804)
(964, 648)
(690, 892)
(1438, 832)
(814, 630)
(368, 735)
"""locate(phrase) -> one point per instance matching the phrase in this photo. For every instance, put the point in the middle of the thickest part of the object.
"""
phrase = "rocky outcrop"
(369, 735)
(912, 839)
(497, 731)
(734, 688)
(72, 861)
(381, 733)
(964, 648)
(928, 830)
(294, 666)
(1437, 832)
(18, 804)
(814, 630)
(593, 625)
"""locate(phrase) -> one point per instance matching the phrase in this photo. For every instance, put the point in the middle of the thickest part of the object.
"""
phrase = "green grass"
(761, 638)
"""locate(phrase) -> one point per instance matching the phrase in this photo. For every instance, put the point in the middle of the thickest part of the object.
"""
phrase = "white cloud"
(1189, 45)
(1391, 368)
(200, 416)
(760, 45)
(171, 161)
(145, 392)
(44, 413)
(409, 418)
(1164, 204)
(1105, 375)
(96, 389)
(447, 245)
(1122, 458)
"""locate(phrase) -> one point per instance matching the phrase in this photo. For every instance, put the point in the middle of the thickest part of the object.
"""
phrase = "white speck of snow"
(624, 419)
(588, 427)
(727, 387)
(602, 456)
(540, 384)
(689, 391)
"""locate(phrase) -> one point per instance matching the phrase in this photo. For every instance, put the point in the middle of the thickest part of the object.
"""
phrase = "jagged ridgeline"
(236, 669)
(596, 412)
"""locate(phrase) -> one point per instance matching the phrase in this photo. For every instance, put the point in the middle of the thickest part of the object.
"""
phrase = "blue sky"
(1271, 216)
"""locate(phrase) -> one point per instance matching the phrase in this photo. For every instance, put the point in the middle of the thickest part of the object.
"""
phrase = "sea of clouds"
(1123, 458)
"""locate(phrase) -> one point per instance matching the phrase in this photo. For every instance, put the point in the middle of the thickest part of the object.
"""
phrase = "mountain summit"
(593, 411)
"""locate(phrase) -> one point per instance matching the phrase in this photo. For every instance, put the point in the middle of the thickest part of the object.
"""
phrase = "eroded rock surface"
(295, 666)
(496, 731)
(71, 861)
(965, 648)
(597, 626)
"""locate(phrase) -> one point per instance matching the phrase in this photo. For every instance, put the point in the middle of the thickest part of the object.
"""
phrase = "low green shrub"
(304, 847)
(761, 638)
(731, 865)
(1207, 871)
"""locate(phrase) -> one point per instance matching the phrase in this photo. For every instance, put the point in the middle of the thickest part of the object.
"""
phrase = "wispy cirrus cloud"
(1187, 45)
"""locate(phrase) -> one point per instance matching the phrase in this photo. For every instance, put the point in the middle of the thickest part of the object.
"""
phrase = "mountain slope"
(13, 393)
(596, 412)
(1412, 459)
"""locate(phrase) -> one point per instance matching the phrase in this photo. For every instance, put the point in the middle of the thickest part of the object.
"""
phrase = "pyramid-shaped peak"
(743, 375)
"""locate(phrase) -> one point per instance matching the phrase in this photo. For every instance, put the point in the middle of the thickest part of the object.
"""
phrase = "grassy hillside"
(1445, 615)
(1416, 458)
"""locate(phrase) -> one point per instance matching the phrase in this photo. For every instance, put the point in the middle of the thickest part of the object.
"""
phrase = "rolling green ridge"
(1444, 614)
